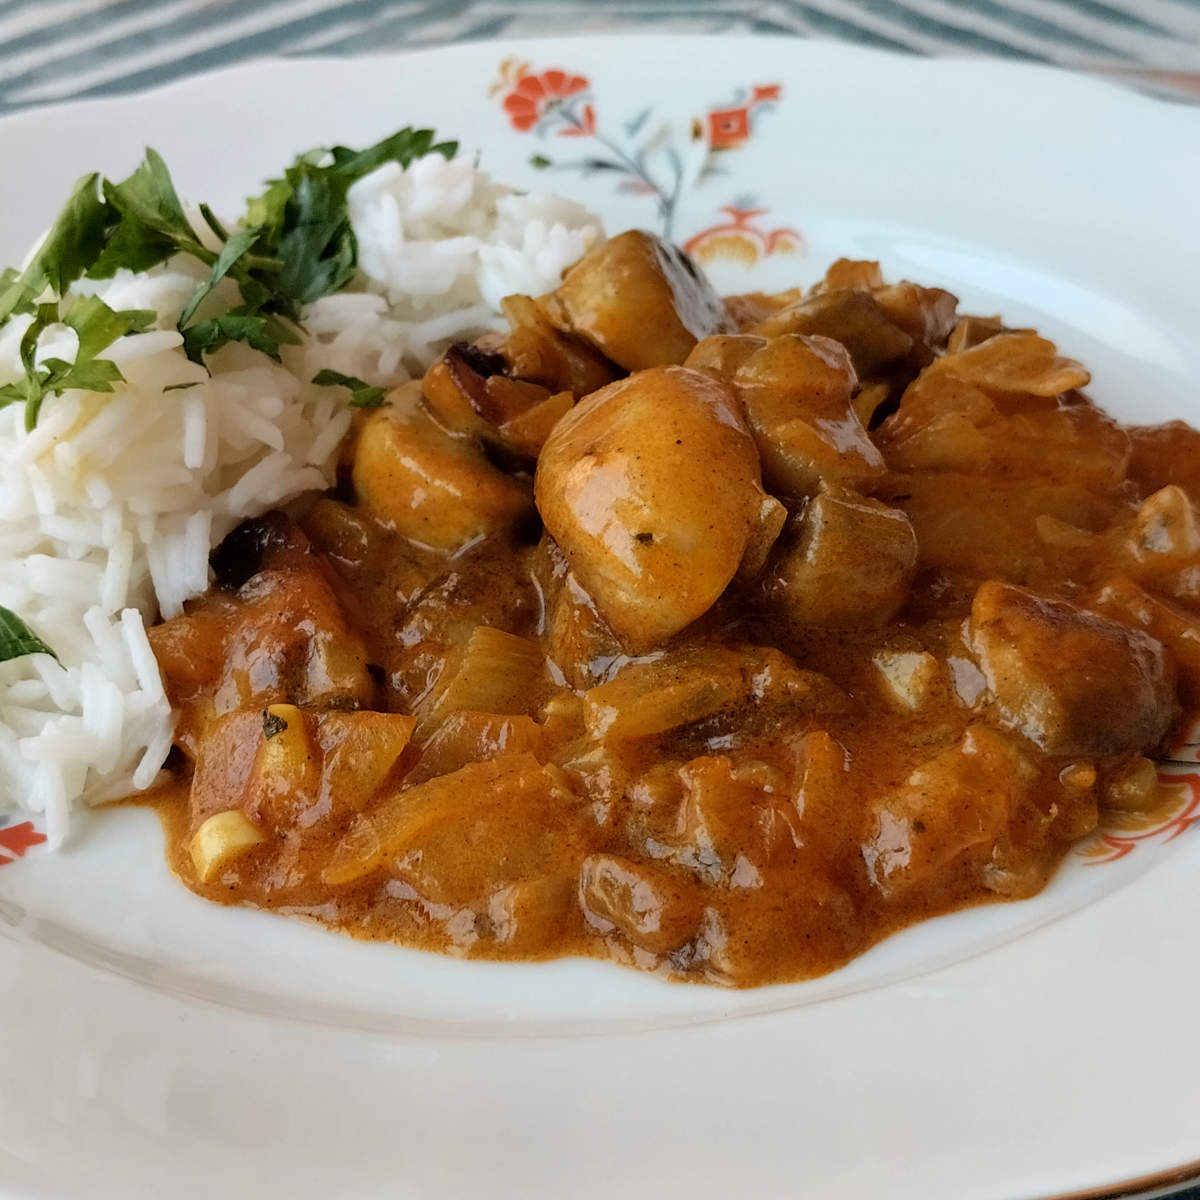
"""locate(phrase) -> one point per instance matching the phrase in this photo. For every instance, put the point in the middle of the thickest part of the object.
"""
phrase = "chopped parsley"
(17, 639)
(273, 725)
(294, 245)
(362, 395)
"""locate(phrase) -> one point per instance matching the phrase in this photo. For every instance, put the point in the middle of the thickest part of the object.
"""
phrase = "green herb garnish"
(17, 639)
(294, 246)
(362, 395)
(97, 327)
(75, 239)
(272, 725)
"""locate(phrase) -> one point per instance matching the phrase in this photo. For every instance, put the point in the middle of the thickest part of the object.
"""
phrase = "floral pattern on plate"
(650, 156)
(16, 840)
(1176, 813)
(1123, 832)
(741, 236)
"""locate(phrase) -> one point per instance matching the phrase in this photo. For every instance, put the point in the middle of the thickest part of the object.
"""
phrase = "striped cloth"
(53, 50)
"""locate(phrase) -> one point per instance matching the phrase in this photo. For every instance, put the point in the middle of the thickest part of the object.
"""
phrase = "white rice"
(110, 507)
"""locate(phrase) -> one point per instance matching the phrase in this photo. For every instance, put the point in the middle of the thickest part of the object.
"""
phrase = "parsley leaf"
(207, 337)
(266, 210)
(237, 245)
(305, 216)
(318, 248)
(148, 222)
(133, 247)
(295, 245)
(94, 375)
(17, 639)
(74, 241)
(97, 326)
(148, 197)
(362, 395)
(403, 147)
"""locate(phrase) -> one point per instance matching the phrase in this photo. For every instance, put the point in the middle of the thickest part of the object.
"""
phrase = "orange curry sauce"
(720, 640)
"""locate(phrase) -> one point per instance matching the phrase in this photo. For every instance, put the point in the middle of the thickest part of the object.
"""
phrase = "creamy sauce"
(451, 748)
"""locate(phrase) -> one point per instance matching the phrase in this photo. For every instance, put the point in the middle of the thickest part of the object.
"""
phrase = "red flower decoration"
(19, 838)
(730, 127)
(533, 97)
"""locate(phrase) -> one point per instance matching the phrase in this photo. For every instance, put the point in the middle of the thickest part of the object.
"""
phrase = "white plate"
(150, 1042)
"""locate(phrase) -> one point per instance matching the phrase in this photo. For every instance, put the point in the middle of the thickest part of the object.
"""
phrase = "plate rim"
(1143, 1186)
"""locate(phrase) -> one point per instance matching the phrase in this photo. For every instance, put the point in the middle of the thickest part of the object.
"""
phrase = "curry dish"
(719, 639)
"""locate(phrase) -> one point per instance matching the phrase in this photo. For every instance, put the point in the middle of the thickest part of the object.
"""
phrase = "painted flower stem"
(558, 102)
(666, 201)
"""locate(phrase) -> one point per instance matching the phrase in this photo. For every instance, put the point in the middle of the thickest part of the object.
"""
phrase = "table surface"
(55, 50)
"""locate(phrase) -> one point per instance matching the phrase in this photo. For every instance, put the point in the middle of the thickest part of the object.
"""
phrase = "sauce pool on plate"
(717, 639)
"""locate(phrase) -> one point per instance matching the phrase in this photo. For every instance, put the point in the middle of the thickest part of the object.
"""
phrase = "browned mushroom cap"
(642, 301)
(468, 391)
(536, 350)
(1071, 681)
(428, 485)
(796, 393)
(651, 487)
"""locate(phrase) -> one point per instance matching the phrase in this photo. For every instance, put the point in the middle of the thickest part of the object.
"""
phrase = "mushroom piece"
(640, 300)
(654, 907)
(954, 806)
(850, 316)
(436, 489)
(651, 487)
(537, 351)
(851, 563)
(281, 633)
(797, 393)
(468, 392)
(1073, 682)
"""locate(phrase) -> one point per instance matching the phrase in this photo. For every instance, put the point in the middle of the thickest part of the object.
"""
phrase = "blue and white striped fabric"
(52, 50)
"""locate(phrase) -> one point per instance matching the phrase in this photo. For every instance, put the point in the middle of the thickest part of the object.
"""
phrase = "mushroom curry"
(720, 639)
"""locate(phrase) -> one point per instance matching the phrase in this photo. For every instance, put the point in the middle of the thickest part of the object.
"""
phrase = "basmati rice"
(110, 507)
